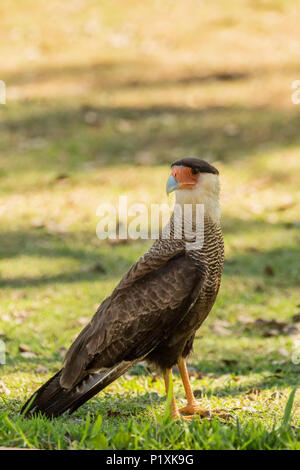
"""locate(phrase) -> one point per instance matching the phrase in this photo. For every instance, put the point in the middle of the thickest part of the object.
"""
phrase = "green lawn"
(99, 103)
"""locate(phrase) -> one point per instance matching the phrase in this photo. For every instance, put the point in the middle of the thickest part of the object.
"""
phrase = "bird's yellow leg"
(174, 409)
(192, 406)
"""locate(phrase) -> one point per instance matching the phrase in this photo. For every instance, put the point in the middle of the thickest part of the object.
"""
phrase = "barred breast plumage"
(180, 342)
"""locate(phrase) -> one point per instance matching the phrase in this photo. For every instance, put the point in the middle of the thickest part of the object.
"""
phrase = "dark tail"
(52, 400)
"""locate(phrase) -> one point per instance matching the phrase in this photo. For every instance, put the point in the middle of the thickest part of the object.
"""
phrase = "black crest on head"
(196, 164)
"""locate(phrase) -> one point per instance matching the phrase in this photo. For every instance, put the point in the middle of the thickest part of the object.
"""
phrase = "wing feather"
(150, 301)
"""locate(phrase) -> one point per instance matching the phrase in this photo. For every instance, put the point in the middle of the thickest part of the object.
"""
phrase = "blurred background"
(100, 98)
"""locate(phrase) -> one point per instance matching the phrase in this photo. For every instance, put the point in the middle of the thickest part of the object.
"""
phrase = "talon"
(195, 410)
(188, 418)
(192, 410)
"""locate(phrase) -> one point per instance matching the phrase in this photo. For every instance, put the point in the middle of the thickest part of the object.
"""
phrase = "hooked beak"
(172, 184)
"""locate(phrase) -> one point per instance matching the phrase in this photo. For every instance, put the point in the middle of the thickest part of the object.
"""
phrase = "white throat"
(205, 192)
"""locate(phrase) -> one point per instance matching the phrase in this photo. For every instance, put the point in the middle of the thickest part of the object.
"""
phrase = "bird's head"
(195, 181)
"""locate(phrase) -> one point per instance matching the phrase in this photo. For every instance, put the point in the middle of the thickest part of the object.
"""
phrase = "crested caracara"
(154, 311)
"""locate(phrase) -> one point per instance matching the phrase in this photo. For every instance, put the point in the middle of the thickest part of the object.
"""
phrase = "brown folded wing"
(149, 302)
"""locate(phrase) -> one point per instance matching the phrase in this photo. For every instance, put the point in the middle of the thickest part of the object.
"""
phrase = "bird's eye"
(194, 171)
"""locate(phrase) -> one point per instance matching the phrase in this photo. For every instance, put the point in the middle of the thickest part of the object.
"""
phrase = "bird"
(155, 310)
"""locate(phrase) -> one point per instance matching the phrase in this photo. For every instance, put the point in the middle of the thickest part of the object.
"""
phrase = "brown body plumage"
(209, 261)
(153, 313)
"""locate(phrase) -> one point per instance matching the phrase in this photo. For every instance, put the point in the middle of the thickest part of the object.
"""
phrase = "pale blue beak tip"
(172, 184)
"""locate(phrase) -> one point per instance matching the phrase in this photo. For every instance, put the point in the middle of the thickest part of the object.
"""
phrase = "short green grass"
(99, 102)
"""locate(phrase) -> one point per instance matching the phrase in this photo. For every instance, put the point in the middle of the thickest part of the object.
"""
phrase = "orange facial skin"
(184, 176)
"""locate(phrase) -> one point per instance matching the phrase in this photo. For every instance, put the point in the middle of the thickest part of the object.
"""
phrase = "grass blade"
(288, 409)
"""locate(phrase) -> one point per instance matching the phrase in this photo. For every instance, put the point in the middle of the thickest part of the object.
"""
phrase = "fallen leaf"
(269, 328)
(229, 362)
(269, 270)
(249, 408)
(287, 203)
(282, 361)
(113, 413)
(4, 390)
(271, 332)
(276, 395)
(41, 370)
(259, 288)
(62, 352)
(220, 327)
(24, 348)
(37, 222)
(296, 318)
(231, 129)
(225, 416)
(56, 228)
(61, 176)
(6, 318)
(253, 391)
(244, 319)
(91, 118)
(283, 352)
(83, 320)
(118, 241)
(98, 267)
(28, 355)
(291, 330)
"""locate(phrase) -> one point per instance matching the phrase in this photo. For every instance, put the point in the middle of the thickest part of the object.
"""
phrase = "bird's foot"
(192, 410)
